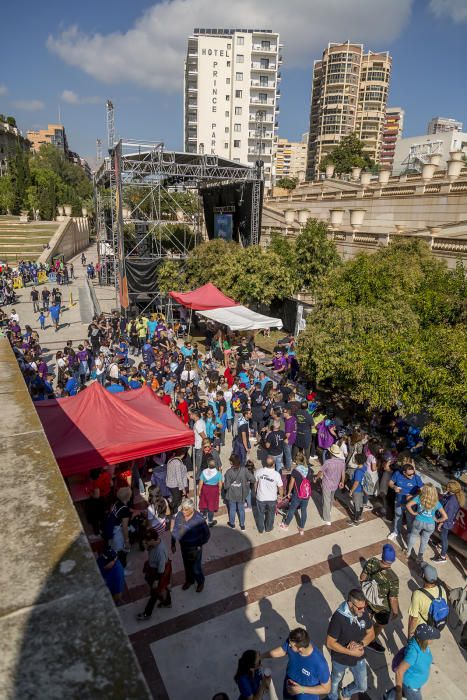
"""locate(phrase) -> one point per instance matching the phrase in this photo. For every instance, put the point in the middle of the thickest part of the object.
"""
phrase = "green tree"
(171, 276)
(287, 183)
(315, 254)
(11, 121)
(284, 247)
(347, 154)
(18, 168)
(378, 334)
(7, 194)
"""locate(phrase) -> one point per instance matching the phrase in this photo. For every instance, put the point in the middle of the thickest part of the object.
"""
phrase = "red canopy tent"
(204, 298)
(96, 428)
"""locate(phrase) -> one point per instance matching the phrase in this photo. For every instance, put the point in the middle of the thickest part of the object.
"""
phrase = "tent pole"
(189, 322)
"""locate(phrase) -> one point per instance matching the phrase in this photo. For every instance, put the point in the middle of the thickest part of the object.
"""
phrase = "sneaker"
(393, 536)
(231, 525)
(242, 527)
(327, 522)
(354, 523)
(301, 532)
(128, 572)
(186, 585)
(376, 646)
(142, 616)
(368, 506)
(212, 523)
(438, 559)
(248, 509)
(283, 526)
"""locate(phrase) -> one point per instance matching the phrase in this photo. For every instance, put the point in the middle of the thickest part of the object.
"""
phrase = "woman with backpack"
(424, 508)
(299, 492)
(413, 669)
(238, 481)
(452, 500)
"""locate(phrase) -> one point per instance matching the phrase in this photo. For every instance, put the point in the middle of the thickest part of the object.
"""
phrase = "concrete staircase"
(21, 241)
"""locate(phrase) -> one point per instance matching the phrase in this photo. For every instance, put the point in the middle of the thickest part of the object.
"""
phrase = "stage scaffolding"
(130, 185)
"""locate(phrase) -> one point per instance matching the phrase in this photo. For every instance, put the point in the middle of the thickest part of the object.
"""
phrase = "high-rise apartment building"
(290, 158)
(231, 95)
(392, 132)
(54, 134)
(349, 94)
(439, 125)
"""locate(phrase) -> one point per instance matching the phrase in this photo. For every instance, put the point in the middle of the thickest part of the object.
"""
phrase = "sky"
(69, 57)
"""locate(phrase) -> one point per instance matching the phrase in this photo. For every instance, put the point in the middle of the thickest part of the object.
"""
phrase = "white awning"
(239, 318)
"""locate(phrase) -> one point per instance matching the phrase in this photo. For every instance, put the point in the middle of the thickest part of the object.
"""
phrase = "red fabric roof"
(96, 427)
(204, 298)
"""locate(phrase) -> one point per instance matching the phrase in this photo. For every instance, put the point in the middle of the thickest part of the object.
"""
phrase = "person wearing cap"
(423, 597)
(274, 443)
(380, 585)
(112, 572)
(332, 475)
(406, 483)
(452, 500)
(413, 671)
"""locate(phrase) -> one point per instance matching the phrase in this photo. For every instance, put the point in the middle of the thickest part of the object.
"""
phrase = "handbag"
(371, 593)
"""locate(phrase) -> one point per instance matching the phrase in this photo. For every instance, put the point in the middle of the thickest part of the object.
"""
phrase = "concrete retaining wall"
(71, 237)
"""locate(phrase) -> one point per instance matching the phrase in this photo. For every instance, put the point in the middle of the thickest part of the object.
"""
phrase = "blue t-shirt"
(114, 577)
(305, 670)
(249, 686)
(115, 388)
(409, 487)
(210, 428)
(420, 661)
(186, 352)
(71, 387)
(213, 480)
(152, 325)
(426, 515)
(358, 476)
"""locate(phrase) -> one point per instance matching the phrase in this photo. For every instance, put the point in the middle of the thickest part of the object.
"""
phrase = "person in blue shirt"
(114, 387)
(413, 671)
(406, 483)
(112, 572)
(55, 315)
(71, 386)
(252, 683)
(427, 512)
(186, 350)
(307, 668)
(356, 489)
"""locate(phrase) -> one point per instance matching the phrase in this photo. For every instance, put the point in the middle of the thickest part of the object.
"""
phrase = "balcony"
(256, 83)
(257, 101)
(256, 135)
(192, 88)
(258, 66)
(268, 118)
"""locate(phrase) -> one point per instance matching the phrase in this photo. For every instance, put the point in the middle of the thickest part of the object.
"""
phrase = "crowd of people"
(287, 447)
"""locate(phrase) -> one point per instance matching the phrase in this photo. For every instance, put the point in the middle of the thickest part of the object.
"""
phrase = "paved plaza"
(258, 586)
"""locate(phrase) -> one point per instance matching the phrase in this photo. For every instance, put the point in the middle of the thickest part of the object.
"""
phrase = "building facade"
(11, 139)
(439, 125)
(231, 95)
(392, 132)
(290, 158)
(412, 153)
(349, 94)
(54, 134)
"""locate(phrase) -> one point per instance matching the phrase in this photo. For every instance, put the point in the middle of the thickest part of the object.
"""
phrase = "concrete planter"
(303, 216)
(356, 173)
(365, 179)
(383, 177)
(435, 158)
(126, 212)
(455, 155)
(400, 228)
(84, 211)
(336, 216)
(289, 216)
(356, 217)
(301, 175)
(179, 214)
(67, 209)
(60, 210)
(454, 168)
(428, 171)
(330, 170)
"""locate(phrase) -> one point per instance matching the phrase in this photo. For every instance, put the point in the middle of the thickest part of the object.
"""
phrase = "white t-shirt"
(199, 427)
(268, 481)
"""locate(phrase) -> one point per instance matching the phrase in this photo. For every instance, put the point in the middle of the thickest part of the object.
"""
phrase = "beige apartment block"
(54, 134)
(290, 158)
(349, 94)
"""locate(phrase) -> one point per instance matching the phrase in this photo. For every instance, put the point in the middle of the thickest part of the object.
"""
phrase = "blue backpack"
(439, 610)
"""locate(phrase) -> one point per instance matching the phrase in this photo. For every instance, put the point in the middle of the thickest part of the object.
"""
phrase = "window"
(229, 46)
(226, 145)
(264, 63)
(263, 98)
(236, 160)
(227, 113)
(263, 80)
(238, 111)
(238, 93)
(227, 81)
(236, 144)
(237, 127)
(227, 97)
(266, 45)
(240, 58)
(226, 129)
(240, 40)
(238, 76)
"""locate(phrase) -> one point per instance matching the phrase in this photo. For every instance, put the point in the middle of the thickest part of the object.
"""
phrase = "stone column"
(383, 177)
(336, 216)
(365, 179)
(455, 166)
(356, 173)
(428, 171)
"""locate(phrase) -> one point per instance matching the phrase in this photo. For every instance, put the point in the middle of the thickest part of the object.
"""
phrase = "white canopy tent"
(239, 318)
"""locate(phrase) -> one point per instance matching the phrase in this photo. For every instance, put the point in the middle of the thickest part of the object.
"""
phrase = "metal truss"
(143, 176)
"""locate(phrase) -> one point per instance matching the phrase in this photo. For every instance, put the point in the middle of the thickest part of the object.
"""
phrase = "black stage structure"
(131, 184)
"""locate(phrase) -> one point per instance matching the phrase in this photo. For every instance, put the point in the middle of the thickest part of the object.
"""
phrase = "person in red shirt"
(165, 398)
(182, 406)
(230, 375)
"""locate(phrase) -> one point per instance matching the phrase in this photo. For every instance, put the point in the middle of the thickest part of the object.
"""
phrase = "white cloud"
(28, 105)
(72, 98)
(455, 9)
(3, 89)
(151, 53)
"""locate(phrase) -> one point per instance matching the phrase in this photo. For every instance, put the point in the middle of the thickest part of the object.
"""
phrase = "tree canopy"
(287, 183)
(347, 154)
(389, 330)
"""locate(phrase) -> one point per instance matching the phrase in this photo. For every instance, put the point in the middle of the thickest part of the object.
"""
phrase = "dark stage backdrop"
(142, 275)
(234, 199)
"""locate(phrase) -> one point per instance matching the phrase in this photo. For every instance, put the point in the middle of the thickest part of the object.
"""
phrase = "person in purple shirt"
(42, 368)
(279, 363)
(290, 429)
